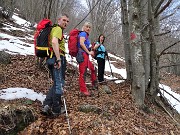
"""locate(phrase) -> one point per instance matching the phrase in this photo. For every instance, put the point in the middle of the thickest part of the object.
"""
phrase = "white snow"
(16, 93)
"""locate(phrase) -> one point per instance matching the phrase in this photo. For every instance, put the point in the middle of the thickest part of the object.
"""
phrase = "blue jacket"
(86, 42)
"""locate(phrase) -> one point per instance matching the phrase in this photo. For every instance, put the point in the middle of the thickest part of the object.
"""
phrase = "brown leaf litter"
(119, 115)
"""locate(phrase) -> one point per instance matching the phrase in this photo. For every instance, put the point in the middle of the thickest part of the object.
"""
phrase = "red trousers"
(82, 70)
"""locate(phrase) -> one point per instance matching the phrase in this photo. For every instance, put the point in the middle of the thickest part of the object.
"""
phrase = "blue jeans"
(63, 66)
(53, 98)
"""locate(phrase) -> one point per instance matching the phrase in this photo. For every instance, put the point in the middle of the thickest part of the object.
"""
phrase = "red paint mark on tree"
(133, 36)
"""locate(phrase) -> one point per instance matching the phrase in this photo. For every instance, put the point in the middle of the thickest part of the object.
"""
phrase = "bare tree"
(105, 20)
(7, 8)
(141, 22)
(126, 37)
(169, 24)
(138, 78)
(35, 10)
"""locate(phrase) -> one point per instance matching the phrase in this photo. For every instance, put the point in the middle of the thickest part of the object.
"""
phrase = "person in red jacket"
(84, 47)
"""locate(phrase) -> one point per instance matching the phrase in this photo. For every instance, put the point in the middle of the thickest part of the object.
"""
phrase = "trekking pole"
(109, 64)
(67, 117)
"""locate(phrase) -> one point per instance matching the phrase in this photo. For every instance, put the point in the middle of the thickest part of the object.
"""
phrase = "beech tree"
(141, 25)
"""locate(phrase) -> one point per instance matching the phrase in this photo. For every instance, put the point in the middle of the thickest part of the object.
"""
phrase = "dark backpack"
(41, 38)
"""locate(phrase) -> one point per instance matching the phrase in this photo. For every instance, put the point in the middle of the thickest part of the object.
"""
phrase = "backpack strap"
(59, 40)
(100, 52)
(85, 37)
(55, 25)
(80, 48)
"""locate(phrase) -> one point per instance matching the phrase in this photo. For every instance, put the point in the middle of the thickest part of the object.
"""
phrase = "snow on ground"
(15, 45)
(20, 21)
(174, 103)
(118, 58)
(14, 93)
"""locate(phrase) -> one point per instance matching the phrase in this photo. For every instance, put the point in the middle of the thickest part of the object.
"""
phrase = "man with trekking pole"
(53, 103)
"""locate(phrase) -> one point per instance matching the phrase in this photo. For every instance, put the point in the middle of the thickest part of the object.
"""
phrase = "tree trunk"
(126, 37)
(138, 83)
(49, 10)
(145, 40)
(154, 80)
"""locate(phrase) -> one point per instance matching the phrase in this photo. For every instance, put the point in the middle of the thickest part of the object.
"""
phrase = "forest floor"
(118, 114)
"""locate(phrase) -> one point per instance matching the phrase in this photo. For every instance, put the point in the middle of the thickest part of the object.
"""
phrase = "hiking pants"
(53, 98)
(101, 67)
(82, 70)
(63, 65)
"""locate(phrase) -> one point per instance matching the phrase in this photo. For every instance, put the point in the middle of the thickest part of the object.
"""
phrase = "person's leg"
(48, 99)
(82, 71)
(93, 72)
(57, 83)
(101, 66)
(63, 64)
(47, 103)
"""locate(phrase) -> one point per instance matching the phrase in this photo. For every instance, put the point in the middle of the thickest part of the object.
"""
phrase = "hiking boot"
(56, 114)
(46, 110)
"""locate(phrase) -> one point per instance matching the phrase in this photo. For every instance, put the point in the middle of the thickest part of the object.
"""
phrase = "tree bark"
(154, 80)
(126, 38)
(145, 40)
(138, 83)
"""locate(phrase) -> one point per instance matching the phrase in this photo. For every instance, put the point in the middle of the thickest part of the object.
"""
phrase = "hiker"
(84, 47)
(53, 98)
(101, 53)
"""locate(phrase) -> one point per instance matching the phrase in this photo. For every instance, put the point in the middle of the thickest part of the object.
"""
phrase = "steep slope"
(118, 114)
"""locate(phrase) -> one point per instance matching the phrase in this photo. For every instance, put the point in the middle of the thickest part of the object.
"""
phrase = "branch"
(161, 34)
(115, 29)
(88, 13)
(165, 17)
(163, 8)
(170, 53)
(175, 10)
(170, 94)
(172, 65)
(158, 6)
(111, 80)
(168, 48)
(106, 81)
(161, 104)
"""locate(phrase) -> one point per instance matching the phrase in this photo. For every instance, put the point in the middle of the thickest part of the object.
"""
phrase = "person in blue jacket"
(101, 53)
(84, 46)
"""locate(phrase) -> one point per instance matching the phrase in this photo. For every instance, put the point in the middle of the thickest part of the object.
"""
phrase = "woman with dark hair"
(101, 51)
